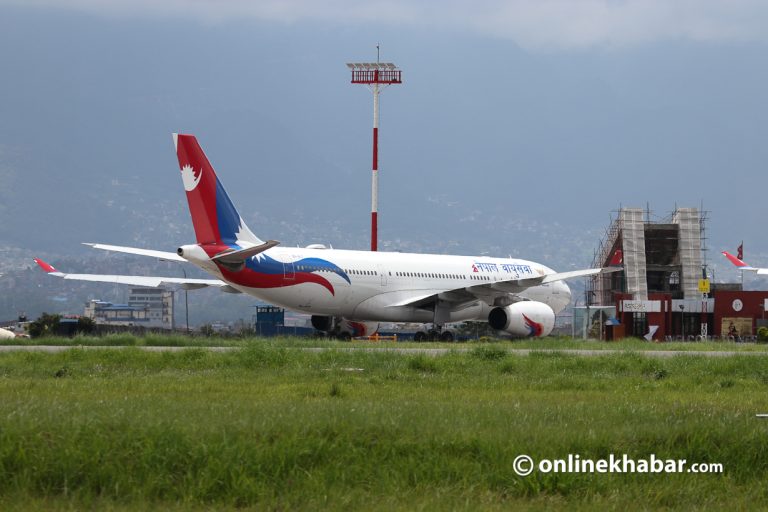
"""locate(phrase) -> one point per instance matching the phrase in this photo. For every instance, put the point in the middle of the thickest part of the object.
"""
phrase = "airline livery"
(349, 292)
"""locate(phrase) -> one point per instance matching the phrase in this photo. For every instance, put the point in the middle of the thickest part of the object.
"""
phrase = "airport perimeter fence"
(731, 339)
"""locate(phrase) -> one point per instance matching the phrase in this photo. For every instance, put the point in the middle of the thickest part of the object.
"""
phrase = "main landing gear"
(435, 334)
(333, 335)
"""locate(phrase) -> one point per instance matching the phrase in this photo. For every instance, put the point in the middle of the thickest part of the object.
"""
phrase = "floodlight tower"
(376, 75)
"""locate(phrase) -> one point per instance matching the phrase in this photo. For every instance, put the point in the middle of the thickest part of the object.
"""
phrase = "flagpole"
(741, 257)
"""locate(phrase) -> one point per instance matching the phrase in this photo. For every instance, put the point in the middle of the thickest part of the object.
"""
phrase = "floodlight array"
(369, 66)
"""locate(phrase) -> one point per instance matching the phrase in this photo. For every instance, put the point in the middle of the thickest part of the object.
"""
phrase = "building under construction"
(662, 290)
(666, 256)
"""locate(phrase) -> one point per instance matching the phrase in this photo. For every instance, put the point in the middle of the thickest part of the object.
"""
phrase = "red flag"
(740, 251)
(617, 258)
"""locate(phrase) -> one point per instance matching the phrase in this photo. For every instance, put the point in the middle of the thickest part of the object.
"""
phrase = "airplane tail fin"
(736, 261)
(741, 265)
(214, 217)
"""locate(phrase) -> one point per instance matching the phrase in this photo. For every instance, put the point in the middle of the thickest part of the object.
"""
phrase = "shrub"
(46, 325)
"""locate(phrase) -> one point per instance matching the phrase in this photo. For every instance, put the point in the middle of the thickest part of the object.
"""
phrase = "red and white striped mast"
(375, 75)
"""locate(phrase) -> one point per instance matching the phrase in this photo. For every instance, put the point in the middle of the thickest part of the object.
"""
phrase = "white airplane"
(743, 266)
(349, 292)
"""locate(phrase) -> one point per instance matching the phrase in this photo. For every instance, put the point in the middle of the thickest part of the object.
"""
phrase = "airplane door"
(289, 271)
(383, 274)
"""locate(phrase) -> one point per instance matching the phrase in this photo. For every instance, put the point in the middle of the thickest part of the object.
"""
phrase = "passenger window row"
(310, 268)
(429, 275)
(361, 272)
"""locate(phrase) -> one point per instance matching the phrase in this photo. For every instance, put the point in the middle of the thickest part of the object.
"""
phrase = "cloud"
(563, 23)
(548, 24)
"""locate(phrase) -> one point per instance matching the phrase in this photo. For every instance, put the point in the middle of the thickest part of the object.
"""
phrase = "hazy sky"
(534, 24)
(555, 110)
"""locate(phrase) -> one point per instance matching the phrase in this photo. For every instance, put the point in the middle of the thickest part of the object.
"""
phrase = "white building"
(147, 307)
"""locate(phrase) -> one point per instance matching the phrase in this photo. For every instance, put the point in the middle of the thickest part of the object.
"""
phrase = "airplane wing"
(163, 255)
(150, 281)
(519, 285)
(743, 266)
(488, 291)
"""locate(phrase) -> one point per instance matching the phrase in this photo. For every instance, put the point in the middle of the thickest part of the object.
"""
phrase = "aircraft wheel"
(446, 336)
(420, 336)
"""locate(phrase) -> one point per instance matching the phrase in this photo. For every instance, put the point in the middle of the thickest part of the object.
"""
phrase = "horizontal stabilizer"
(238, 256)
(163, 255)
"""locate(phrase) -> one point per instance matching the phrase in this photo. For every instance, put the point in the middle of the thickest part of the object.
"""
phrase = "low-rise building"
(147, 307)
(662, 290)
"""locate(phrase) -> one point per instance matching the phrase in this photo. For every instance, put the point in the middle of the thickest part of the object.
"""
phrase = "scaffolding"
(666, 255)
(689, 226)
(633, 249)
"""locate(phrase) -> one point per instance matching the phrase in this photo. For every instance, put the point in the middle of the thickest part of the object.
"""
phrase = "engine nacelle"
(526, 318)
(336, 325)
(356, 329)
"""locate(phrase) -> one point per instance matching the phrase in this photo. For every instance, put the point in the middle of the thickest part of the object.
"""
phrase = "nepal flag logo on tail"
(190, 179)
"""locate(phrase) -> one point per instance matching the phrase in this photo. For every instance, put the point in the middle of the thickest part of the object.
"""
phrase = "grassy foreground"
(550, 342)
(268, 427)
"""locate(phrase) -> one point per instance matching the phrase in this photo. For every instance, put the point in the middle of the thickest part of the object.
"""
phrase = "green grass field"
(153, 340)
(271, 427)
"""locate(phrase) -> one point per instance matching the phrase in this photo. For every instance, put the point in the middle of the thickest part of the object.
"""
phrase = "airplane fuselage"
(341, 287)
(363, 285)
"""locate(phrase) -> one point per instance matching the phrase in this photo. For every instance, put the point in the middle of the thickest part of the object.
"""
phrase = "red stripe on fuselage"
(251, 279)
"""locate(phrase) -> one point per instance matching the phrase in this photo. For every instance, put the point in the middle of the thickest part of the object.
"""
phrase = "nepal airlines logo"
(189, 178)
(534, 328)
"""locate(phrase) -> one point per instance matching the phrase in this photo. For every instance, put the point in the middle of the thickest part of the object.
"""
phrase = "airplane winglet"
(47, 267)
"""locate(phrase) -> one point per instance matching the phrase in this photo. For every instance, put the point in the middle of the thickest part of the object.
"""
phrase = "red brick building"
(729, 313)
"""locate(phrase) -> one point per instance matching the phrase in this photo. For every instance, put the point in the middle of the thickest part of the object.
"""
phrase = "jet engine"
(525, 318)
(342, 327)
